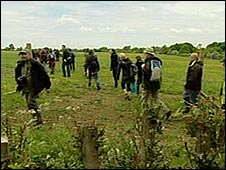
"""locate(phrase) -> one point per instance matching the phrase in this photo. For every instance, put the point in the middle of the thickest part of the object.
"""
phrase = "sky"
(112, 24)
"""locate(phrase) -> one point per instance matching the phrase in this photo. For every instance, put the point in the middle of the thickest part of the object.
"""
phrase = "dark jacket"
(139, 63)
(39, 77)
(125, 67)
(194, 75)
(114, 61)
(67, 59)
(92, 63)
(150, 85)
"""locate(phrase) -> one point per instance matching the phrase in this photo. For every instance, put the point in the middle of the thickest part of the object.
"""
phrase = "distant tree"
(19, 49)
(215, 50)
(222, 46)
(164, 49)
(176, 47)
(127, 48)
(11, 47)
(135, 50)
(174, 52)
(214, 55)
(7, 49)
(103, 49)
(185, 49)
(157, 49)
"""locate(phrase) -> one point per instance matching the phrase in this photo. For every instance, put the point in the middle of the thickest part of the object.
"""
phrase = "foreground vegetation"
(71, 105)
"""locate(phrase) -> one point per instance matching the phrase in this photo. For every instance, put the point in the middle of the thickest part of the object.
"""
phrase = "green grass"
(70, 100)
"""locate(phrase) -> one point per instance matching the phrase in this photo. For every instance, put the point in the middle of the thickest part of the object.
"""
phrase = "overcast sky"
(94, 24)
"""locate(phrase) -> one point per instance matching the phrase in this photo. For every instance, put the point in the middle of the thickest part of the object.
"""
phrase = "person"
(31, 78)
(126, 80)
(222, 90)
(139, 63)
(86, 54)
(150, 96)
(57, 54)
(193, 82)
(72, 64)
(43, 57)
(52, 61)
(66, 61)
(114, 66)
(93, 67)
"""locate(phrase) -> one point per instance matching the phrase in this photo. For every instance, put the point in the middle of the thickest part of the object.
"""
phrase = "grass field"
(71, 100)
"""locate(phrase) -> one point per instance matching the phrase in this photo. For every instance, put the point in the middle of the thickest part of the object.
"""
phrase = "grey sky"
(94, 24)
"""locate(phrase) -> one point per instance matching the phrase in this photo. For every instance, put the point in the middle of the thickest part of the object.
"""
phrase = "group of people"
(47, 56)
(31, 78)
(150, 77)
(146, 72)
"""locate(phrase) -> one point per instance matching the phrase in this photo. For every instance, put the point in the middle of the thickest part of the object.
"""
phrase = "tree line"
(215, 50)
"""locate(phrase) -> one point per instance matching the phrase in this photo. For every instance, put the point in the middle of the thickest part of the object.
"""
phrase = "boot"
(36, 117)
(138, 89)
(39, 118)
(168, 114)
(116, 84)
(98, 87)
(186, 110)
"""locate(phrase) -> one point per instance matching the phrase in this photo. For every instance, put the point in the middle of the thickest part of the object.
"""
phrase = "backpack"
(51, 57)
(156, 70)
(133, 70)
(93, 63)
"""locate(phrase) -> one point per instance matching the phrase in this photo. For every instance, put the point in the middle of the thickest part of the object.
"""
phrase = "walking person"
(52, 61)
(42, 58)
(193, 83)
(127, 79)
(139, 63)
(57, 54)
(114, 67)
(32, 78)
(93, 67)
(66, 61)
(86, 54)
(72, 64)
(152, 81)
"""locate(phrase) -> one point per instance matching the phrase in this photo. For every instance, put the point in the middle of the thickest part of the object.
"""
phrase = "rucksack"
(156, 70)
(51, 57)
(93, 63)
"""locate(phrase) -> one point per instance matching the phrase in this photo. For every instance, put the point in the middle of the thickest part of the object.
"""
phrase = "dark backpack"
(93, 63)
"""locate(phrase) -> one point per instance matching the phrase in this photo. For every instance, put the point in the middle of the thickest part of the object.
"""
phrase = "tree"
(19, 49)
(127, 48)
(11, 47)
(164, 49)
(103, 49)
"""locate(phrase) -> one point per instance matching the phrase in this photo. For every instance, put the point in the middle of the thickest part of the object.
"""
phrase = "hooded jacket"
(38, 80)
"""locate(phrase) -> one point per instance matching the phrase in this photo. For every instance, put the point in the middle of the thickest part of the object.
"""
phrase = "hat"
(123, 55)
(149, 51)
(25, 51)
